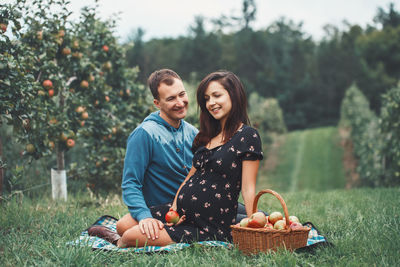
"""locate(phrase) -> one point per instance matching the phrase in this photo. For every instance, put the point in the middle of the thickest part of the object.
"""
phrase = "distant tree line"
(308, 78)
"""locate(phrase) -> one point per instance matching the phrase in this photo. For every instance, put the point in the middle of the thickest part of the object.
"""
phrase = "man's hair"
(161, 76)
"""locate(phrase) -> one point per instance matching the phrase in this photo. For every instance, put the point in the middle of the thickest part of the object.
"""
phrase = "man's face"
(172, 102)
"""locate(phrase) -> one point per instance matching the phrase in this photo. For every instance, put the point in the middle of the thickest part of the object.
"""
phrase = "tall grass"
(363, 224)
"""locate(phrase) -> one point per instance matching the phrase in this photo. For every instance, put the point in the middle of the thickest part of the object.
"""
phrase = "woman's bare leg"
(125, 223)
(133, 237)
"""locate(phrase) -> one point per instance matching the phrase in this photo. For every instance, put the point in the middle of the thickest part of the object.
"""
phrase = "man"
(158, 155)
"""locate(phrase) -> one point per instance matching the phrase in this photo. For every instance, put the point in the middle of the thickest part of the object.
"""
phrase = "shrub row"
(376, 139)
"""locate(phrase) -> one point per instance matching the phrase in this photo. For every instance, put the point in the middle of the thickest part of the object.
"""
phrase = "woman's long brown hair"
(210, 127)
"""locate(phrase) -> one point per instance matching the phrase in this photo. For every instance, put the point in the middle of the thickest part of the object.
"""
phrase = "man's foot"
(105, 233)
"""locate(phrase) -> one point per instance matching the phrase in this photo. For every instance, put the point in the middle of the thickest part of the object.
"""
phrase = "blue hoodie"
(158, 158)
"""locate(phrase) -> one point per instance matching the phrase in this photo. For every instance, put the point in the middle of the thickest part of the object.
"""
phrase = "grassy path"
(294, 178)
(307, 160)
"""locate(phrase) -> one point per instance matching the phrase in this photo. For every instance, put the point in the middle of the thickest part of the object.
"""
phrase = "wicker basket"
(255, 240)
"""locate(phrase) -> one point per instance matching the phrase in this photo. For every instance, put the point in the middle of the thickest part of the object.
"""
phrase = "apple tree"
(114, 101)
(75, 86)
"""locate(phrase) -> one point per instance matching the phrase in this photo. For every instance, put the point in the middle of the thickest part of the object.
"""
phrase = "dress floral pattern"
(209, 198)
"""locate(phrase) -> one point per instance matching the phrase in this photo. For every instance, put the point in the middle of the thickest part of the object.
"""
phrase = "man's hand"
(151, 227)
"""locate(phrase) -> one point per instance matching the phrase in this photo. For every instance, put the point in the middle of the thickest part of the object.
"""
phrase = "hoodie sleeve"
(137, 158)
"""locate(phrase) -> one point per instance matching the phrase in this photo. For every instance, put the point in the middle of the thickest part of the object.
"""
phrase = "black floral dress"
(209, 198)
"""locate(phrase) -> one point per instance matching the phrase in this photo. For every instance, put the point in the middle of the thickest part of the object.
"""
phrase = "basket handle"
(269, 191)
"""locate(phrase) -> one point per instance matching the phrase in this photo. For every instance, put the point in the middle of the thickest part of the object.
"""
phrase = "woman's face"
(218, 101)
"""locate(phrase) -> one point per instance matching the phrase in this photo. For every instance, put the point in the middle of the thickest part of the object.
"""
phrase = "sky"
(172, 18)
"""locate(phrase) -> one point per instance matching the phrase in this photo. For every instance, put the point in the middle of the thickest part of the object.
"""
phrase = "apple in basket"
(244, 222)
(280, 225)
(293, 219)
(296, 226)
(274, 217)
(268, 225)
(257, 220)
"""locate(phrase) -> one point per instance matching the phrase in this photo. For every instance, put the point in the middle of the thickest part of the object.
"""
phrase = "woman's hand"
(181, 219)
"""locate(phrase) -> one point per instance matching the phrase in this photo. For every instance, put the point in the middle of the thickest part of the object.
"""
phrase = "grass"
(363, 224)
(307, 160)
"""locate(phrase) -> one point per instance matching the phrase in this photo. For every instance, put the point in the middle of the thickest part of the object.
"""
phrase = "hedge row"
(376, 139)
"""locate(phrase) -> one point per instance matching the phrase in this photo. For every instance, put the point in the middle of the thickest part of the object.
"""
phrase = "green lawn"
(307, 160)
(363, 224)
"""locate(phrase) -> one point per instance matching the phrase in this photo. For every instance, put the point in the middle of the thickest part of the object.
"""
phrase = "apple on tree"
(105, 48)
(30, 148)
(3, 27)
(51, 92)
(85, 115)
(66, 51)
(47, 84)
(84, 84)
(70, 143)
(80, 109)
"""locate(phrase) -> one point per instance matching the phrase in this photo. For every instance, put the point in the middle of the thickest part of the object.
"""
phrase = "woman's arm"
(249, 178)
(191, 172)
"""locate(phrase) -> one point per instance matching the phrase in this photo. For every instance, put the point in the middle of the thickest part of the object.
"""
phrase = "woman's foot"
(105, 233)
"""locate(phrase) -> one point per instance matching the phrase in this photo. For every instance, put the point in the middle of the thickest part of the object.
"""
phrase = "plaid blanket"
(84, 240)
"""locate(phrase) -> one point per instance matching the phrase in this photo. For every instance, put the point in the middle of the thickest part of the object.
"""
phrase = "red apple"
(66, 51)
(268, 226)
(84, 84)
(257, 220)
(85, 115)
(293, 219)
(70, 143)
(105, 48)
(244, 222)
(274, 217)
(47, 84)
(63, 137)
(77, 55)
(3, 27)
(172, 216)
(51, 92)
(280, 225)
(296, 226)
(80, 109)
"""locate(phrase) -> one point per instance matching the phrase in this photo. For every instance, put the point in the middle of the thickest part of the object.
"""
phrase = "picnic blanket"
(84, 240)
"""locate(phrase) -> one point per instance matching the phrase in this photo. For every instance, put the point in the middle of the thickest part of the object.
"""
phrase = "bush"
(390, 127)
(266, 115)
(361, 121)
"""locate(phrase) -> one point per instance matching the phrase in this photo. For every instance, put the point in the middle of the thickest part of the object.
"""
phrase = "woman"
(226, 160)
